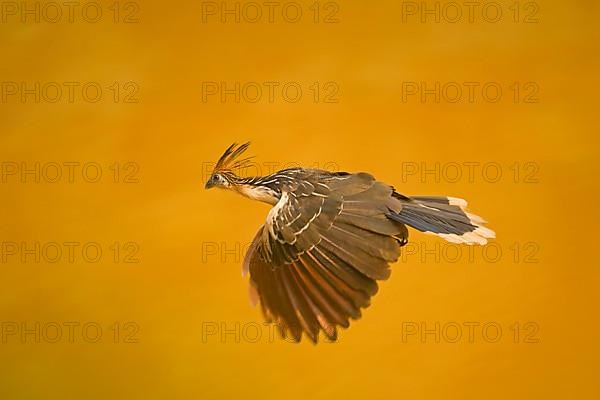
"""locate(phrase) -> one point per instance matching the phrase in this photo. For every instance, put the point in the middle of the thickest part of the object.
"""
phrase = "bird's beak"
(209, 184)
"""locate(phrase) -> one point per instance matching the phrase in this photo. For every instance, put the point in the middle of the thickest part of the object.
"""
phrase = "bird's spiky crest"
(230, 160)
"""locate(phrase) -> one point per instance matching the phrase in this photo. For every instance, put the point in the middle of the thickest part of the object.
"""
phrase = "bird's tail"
(446, 217)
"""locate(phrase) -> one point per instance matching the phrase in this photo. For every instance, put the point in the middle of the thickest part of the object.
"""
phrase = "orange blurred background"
(168, 297)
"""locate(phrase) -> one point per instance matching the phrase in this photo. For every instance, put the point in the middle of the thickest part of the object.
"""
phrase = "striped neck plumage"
(256, 188)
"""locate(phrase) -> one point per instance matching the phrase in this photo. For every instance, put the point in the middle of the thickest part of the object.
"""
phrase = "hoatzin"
(328, 239)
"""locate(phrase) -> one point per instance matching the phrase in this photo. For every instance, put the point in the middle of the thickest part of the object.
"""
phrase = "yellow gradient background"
(176, 290)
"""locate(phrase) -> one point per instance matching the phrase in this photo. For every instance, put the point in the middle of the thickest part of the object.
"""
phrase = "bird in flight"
(328, 239)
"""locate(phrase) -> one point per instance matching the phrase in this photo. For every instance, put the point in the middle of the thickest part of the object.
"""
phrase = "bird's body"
(329, 237)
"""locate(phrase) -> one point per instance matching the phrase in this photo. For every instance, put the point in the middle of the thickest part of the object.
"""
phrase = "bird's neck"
(254, 188)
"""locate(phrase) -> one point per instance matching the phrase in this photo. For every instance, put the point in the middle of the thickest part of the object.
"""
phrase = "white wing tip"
(455, 201)
(478, 236)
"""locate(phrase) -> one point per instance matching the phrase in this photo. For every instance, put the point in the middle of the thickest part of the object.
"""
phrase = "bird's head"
(223, 175)
(217, 179)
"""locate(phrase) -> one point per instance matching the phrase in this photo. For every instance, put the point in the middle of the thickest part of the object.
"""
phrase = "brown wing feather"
(315, 263)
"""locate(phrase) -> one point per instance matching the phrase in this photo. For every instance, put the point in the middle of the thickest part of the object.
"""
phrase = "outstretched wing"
(315, 262)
